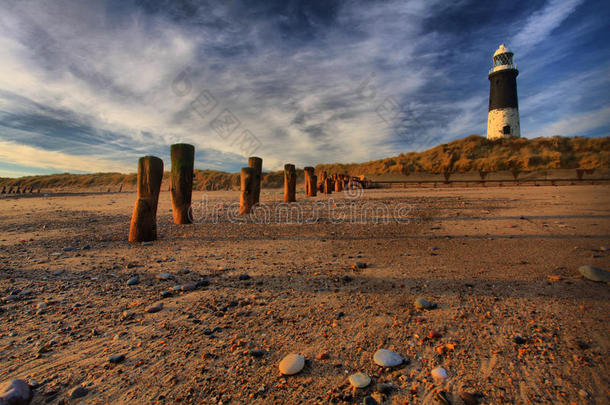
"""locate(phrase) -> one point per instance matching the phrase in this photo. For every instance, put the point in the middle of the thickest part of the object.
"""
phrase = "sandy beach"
(515, 321)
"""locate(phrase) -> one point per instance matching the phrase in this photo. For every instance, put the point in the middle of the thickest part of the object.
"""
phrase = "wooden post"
(3, 189)
(183, 160)
(308, 172)
(338, 184)
(144, 218)
(257, 164)
(290, 183)
(313, 185)
(247, 186)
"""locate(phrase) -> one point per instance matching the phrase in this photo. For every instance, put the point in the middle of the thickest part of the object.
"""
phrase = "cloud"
(540, 24)
(17, 154)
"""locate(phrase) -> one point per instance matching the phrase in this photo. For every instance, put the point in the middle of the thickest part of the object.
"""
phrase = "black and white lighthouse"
(503, 118)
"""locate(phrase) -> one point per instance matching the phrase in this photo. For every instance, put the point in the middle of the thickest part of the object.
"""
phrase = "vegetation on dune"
(474, 153)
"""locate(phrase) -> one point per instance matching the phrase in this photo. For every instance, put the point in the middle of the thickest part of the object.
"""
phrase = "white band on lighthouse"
(502, 123)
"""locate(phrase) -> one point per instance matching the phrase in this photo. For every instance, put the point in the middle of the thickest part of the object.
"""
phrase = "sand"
(515, 322)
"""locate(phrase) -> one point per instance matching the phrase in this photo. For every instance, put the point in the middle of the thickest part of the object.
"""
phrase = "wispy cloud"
(541, 23)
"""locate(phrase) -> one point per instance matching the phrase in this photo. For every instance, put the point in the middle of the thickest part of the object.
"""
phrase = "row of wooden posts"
(18, 190)
(150, 174)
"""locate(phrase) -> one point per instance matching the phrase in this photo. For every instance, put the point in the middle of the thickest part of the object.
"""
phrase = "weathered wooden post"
(257, 164)
(290, 183)
(183, 160)
(247, 187)
(3, 189)
(326, 184)
(144, 218)
(10, 190)
(308, 172)
(18, 190)
(313, 185)
(338, 184)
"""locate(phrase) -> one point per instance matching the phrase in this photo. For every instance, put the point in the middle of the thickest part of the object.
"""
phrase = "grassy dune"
(471, 154)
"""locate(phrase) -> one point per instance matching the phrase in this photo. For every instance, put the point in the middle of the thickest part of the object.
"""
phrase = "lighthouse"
(503, 118)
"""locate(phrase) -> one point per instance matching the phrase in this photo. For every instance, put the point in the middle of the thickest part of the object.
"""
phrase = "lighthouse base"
(503, 123)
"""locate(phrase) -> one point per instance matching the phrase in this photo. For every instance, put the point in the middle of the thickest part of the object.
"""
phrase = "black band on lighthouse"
(503, 90)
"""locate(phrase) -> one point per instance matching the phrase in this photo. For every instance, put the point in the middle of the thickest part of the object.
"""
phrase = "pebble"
(164, 276)
(147, 243)
(361, 265)
(346, 278)
(41, 305)
(292, 364)
(387, 358)
(133, 281)
(519, 340)
(117, 358)
(185, 271)
(68, 248)
(257, 353)
(78, 392)
(244, 277)
(15, 392)
(384, 388)
(369, 401)
(583, 394)
(359, 380)
(595, 273)
(189, 287)
(422, 303)
(439, 374)
(155, 308)
(322, 356)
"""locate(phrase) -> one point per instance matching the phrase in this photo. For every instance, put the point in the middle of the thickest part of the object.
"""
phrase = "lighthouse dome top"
(502, 49)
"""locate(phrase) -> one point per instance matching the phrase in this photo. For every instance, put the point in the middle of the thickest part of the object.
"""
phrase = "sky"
(91, 86)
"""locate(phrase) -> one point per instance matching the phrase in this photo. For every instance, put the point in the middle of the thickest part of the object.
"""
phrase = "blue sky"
(91, 86)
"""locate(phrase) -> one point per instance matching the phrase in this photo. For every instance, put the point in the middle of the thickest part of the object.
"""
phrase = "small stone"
(244, 277)
(164, 276)
(165, 294)
(519, 340)
(369, 400)
(68, 249)
(387, 358)
(434, 334)
(117, 358)
(384, 388)
(257, 353)
(583, 394)
(361, 265)
(202, 283)
(439, 374)
(346, 278)
(322, 356)
(78, 392)
(42, 305)
(177, 287)
(133, 281)
(422, 303)
(155, 308)
(292, 364)
(147, 243)
(189, 287)
(185, 271)
(127, 314)
(595, 274)
(15, 392)
(359, 380)
(86, 247)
